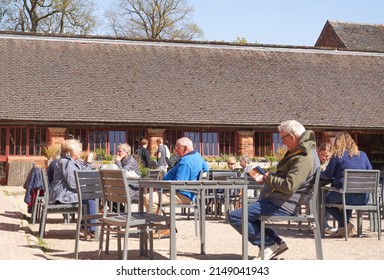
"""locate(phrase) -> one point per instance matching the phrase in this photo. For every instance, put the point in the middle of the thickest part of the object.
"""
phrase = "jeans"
(255, 211)
(91, 210)
(351, 199)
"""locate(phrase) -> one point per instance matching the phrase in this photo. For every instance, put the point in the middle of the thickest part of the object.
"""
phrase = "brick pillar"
(56, 135)
(153, 135)
(245, 141)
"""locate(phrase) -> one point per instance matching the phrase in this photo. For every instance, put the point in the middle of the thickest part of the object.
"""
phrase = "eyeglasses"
(284, 136)
(230, 163)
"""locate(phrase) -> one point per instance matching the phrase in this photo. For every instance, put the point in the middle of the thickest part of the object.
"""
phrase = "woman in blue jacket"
(344, 155)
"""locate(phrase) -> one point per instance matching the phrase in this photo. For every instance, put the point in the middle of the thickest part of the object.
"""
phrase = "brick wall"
(245, 141)
(153, 135)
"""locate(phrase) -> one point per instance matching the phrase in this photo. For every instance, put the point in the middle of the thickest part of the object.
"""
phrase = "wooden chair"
(46, 208)
(359, 181)
(115, 189)
(308, 220)
(154, 174)
(88, 187)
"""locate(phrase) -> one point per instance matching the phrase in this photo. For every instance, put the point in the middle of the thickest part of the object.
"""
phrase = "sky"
(277, 22)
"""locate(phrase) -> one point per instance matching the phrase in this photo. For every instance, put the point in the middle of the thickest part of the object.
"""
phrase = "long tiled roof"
(357, 36)
(71, 81)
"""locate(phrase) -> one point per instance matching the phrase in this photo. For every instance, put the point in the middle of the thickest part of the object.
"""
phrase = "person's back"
(161, 155)
(345, 155)
(188, 168)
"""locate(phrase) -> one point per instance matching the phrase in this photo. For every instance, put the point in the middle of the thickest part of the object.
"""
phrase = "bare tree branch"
(48, 16)
(153, 19)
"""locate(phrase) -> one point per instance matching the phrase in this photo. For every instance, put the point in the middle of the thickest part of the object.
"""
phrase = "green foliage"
(100, 154)
(108, 157)
(50, 151)
(240, 41)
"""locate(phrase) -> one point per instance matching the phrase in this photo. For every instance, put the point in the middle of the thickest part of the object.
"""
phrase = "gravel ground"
(222, 243)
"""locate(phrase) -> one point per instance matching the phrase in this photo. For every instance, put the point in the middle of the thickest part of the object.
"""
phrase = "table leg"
(202, 222)
(172, 241)
(142, 235)
(245, 223)
(226, 204)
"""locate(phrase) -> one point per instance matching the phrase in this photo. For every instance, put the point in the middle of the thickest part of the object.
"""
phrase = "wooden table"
(201, 186)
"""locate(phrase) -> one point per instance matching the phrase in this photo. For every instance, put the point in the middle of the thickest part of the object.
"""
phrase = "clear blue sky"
(282, 22)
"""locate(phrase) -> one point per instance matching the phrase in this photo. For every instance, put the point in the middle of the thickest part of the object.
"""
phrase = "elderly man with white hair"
(188, 168)
(279, 196)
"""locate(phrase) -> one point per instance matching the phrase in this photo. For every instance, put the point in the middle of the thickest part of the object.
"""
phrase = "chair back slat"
(115, 187)
(314, 201)
(88, 184)
(361, 181)
(222, 176)
(153, 174)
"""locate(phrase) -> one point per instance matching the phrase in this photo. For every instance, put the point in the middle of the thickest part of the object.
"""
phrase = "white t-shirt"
(167, 152)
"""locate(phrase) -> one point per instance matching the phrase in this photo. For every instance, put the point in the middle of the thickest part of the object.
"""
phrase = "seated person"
(188, 168)
(124, 160)
(245, 166)
(323, 152)
(345, 155)
(63, 187)
(231, 162)
(280, 195)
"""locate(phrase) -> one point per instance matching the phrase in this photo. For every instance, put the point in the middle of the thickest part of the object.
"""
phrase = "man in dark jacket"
(143, 155)
(279, 196)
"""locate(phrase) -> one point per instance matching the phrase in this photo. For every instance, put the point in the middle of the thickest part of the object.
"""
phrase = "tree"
(48, 16)
(153, 19)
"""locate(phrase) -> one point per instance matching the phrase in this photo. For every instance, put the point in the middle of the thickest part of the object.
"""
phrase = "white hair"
(292, 127)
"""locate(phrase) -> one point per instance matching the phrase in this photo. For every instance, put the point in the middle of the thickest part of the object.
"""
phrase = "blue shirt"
(188, 168)
(336, 166)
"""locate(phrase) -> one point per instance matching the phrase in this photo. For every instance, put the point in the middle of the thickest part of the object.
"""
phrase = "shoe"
(341, 231)
(82, 233)
(330, 230)
(273, 251)
(89, 235)
(351, 230)
(163, 233)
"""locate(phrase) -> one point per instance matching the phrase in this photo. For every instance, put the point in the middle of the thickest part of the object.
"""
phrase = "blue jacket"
(188, 168)
(34, 181)
(336, 166)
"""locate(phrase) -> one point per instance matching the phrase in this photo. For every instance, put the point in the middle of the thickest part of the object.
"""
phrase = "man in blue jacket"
(188, 168)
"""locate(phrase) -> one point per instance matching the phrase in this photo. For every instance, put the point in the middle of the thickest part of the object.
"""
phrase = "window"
(227, 142)
(208, 143)
(134, 137)
(115, 137)
(93, 139)
(80, 134)
(171, 136)
(18, 143)
(265, 143)
(37, 138)
(3, 140)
